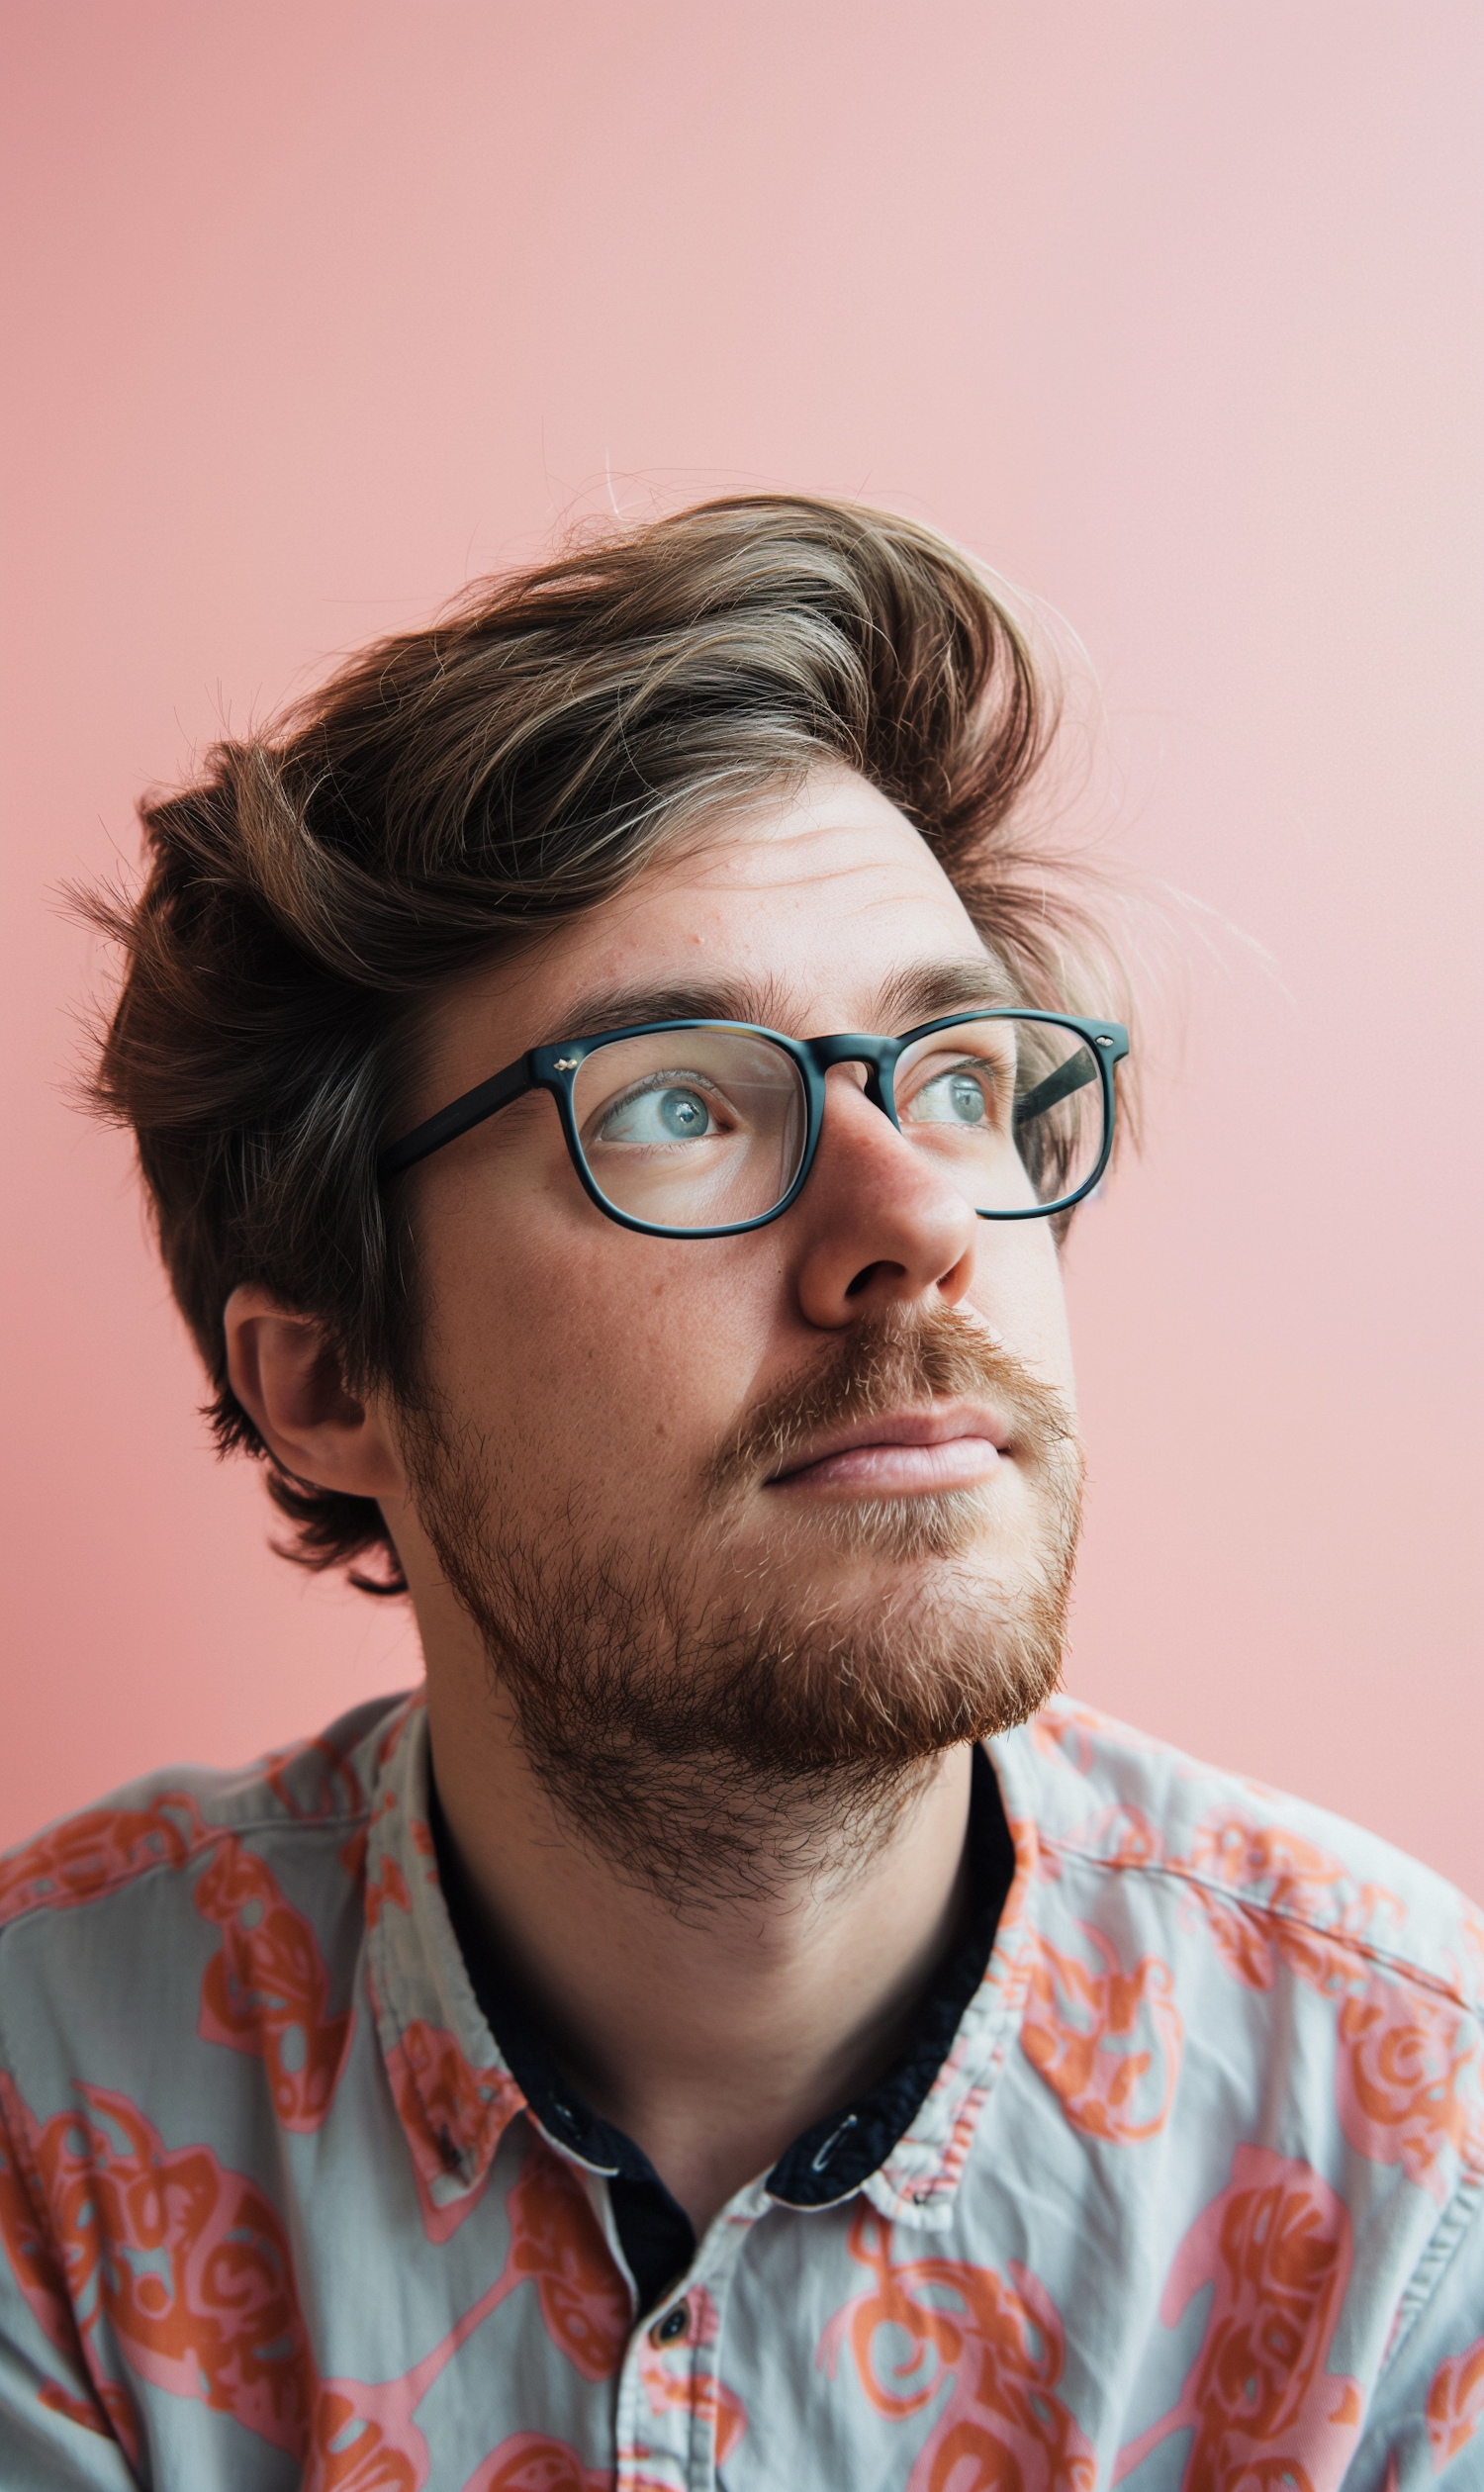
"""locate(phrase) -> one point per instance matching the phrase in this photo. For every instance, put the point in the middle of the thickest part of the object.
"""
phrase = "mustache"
(886, 1363)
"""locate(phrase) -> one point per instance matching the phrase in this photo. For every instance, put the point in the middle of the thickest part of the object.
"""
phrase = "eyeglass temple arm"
(1073, 1075)
(458, 1118)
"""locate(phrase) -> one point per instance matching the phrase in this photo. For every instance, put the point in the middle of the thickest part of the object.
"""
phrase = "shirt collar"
(454, 2093)
(457, 2091)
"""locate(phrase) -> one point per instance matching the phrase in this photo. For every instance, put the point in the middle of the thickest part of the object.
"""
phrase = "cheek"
(1017, 1289)
(584, 1355)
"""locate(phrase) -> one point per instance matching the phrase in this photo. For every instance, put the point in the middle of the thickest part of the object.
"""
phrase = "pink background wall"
(1171, 310)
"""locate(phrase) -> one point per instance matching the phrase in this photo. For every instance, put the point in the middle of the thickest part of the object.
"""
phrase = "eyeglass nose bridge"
(859, 1047)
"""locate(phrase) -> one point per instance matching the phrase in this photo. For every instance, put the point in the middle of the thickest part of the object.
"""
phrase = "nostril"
(866, 1275)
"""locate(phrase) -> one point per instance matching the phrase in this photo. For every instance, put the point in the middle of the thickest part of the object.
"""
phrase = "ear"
(287, 1376)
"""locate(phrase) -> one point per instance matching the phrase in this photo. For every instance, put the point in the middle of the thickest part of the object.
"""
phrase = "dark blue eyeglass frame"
(555, 1068)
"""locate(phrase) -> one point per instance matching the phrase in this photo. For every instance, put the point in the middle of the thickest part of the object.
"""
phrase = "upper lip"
(935, 1425)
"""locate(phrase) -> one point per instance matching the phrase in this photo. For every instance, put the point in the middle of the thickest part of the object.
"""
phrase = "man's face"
(801, 1497)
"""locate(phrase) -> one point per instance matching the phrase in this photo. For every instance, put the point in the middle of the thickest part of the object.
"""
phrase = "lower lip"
(898, 1470)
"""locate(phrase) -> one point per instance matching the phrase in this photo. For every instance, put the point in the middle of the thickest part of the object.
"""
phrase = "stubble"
(715, 1716)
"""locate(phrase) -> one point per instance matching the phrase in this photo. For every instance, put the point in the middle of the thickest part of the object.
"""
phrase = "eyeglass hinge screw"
(1103, 1040)
(567, 1063)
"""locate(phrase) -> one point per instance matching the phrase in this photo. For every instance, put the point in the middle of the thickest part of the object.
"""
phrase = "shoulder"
(1263, 1867)
(146, 1841)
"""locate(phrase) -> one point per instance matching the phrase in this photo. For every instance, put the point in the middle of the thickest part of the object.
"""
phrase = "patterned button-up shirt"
(1194, 2199)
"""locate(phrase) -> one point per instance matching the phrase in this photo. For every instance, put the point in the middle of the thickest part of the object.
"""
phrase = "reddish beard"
(700, 1740)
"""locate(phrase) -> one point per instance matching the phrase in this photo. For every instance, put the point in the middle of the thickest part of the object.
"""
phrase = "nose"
(880, 1225)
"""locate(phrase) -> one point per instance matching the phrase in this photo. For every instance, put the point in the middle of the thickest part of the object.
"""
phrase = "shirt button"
(673, 2325)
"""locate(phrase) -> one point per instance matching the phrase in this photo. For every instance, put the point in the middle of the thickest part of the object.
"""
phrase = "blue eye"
(954, 1098)
(682, 1113)
(668, 1114)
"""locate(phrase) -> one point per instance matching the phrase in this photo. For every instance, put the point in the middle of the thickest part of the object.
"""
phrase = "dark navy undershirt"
(832, 2159)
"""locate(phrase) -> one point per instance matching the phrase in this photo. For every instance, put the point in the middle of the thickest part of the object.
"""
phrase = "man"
(611, 1081)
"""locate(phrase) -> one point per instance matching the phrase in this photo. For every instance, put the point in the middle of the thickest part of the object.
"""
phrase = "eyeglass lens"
(701, 1129)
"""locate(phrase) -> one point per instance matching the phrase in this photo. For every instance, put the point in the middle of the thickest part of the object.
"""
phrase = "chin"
(893, 1571)
(896, 1532)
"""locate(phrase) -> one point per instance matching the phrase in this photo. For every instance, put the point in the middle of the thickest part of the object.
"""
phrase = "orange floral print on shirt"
(35, 2259)
(453, 2114)
(184, 2259)
(314, 1779)
(1108, 2043)
(389, 1886)
(672, 2378)
(1025, 2283)
(38, 2267)
(268, 1992)
(365, 2437)
(453, 2117)
(188, 2264)
(1295, 1898)
(998, 2341)
(1407, 2072)
(1455, 2403)
(1264, 2410)
(105, 1848)
(557, 2242)
(530, 2462)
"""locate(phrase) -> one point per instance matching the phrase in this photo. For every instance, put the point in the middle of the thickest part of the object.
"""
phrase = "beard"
(703, 1714)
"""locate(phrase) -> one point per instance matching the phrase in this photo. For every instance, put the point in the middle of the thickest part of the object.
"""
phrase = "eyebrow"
(918, 993)
(927, 988)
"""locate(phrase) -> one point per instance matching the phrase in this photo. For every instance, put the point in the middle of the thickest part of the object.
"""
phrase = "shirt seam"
(197, 1849)
(1447, 2239)
(1368, 1948)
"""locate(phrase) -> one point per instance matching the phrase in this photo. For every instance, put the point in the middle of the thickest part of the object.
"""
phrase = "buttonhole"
(831, 2142)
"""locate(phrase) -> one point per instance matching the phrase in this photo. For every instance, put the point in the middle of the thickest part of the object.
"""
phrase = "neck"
(710, 2033)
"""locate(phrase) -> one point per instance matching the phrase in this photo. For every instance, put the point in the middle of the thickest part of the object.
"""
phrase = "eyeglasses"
(704, 1129)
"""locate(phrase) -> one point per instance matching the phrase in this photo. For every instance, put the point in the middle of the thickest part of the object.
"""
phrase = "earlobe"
(286, 1373)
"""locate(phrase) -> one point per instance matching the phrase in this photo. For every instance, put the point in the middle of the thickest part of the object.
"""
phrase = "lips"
(905, 1453)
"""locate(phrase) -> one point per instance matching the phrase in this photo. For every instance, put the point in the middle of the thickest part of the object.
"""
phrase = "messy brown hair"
(454, 789)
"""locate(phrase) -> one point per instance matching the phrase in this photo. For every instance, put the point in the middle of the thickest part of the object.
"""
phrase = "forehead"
(803, 911)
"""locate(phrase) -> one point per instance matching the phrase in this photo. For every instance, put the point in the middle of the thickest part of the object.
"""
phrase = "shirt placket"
(677, 2420)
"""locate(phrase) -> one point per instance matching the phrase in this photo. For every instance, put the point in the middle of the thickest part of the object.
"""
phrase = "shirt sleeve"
(1425, 2431)
(54, 2432)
